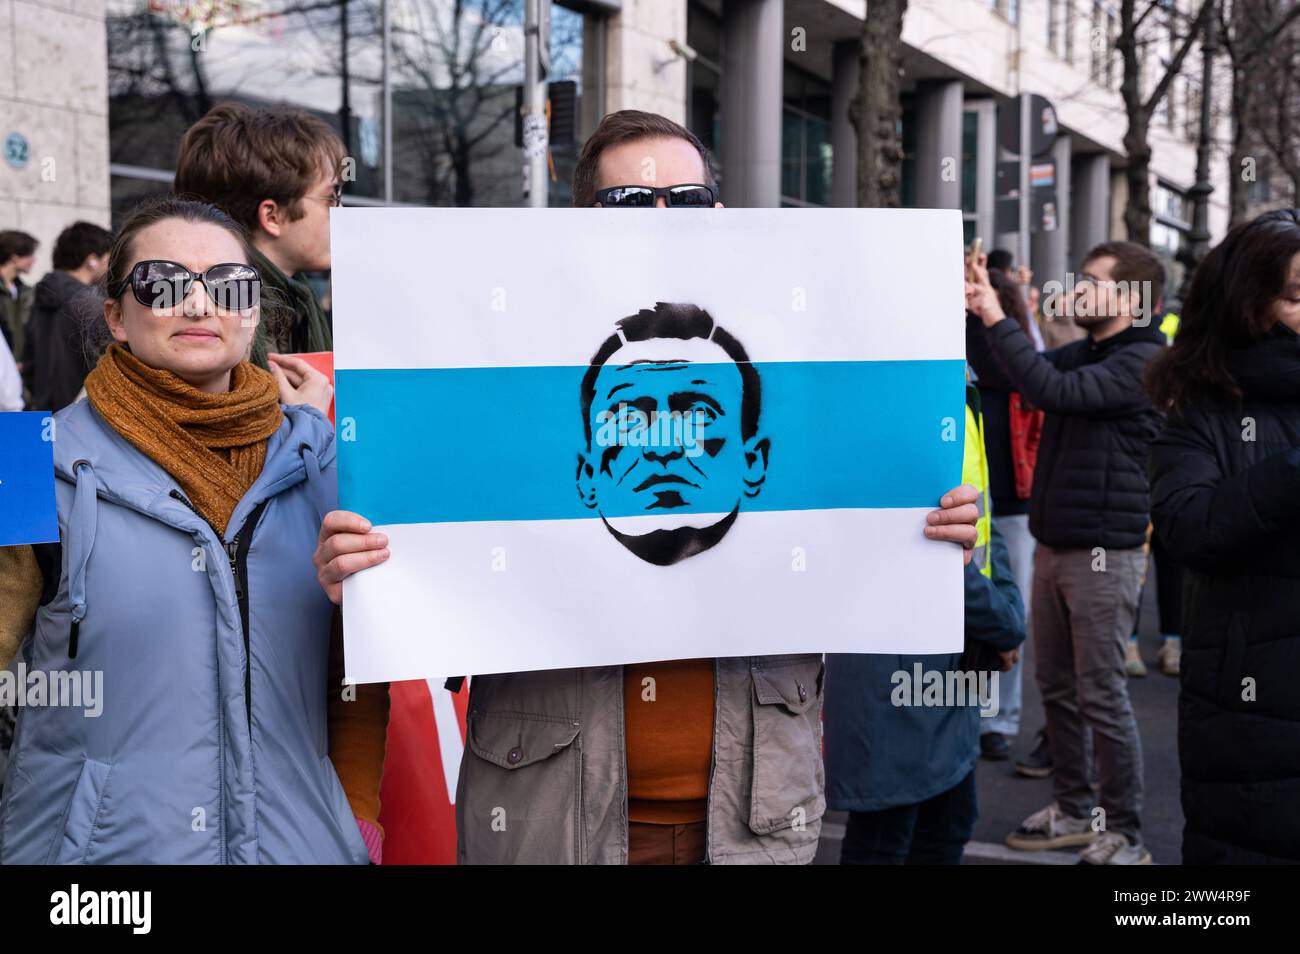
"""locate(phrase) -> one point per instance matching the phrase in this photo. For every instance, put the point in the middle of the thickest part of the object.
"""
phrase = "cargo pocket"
(788, 787)
(520, 798)
(82, 814)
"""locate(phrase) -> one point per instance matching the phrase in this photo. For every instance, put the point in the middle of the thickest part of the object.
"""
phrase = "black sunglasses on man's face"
(690, 196)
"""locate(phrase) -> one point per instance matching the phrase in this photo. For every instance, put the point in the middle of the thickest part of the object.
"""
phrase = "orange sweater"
(668, 725)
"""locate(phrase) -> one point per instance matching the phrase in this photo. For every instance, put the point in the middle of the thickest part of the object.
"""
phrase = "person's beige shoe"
(1051, 828)
(1112, 848)
(1171, 655)
(1133, 664)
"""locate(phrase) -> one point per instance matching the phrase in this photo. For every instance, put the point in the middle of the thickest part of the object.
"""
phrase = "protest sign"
(27, 510)
(598, 437)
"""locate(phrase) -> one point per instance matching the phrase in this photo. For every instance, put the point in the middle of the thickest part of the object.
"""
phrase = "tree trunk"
(1137, 211)
(1139, 107)
(876, 109)
(1238, 186)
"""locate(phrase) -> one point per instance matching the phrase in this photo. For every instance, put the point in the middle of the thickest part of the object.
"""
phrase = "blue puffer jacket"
(211, 746)
(879, 755)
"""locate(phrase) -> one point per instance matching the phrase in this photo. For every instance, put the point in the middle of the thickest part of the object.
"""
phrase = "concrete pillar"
(641, 70)
(986, 156)
(1091, 212)
(1048, 251)
(938, 144)
(846, 69)
(754, 41)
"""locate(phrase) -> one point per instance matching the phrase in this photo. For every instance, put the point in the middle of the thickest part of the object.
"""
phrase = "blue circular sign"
(17, 150)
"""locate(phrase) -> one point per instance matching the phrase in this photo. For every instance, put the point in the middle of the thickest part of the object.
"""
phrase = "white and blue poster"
(598, 437)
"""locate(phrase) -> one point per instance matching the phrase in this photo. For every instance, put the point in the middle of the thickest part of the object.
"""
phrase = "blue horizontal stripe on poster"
(27, 509)
(478, 444)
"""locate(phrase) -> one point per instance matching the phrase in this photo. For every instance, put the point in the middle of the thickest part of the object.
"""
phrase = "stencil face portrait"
(670, 407)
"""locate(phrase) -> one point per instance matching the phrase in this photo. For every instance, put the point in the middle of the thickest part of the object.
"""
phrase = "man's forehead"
(1103, 266)
(654, 161)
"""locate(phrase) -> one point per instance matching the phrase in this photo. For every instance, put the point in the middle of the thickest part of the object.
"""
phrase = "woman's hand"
(346, 546)
(300, 383)
(955, 520)
(981, 297)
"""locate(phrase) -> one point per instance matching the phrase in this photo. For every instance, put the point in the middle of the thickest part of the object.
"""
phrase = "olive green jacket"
(14, 313)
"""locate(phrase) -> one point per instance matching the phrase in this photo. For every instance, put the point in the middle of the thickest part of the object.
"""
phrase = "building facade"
(424, 93)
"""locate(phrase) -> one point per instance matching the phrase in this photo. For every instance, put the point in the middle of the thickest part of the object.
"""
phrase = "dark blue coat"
(880, 755)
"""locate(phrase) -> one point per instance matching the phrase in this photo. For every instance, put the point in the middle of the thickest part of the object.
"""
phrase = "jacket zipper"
(237, 549)
(237, 554)
(221, 722)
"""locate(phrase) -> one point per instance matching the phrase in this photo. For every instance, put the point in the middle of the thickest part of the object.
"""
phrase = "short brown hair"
(16, 244)
(78, 242)
(629, 125)
(1133, 263)
(235, 157)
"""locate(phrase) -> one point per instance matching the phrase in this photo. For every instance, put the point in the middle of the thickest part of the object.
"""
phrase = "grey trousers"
(1082, 618)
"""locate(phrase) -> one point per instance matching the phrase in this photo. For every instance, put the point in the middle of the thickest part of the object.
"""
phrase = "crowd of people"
(201, 556)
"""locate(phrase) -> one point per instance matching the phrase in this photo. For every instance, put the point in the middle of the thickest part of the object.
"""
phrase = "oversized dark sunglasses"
(162, 285)
(691, 196)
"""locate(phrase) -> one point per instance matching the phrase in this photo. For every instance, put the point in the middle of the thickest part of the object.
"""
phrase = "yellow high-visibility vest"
(1169, 327)
(975, 471)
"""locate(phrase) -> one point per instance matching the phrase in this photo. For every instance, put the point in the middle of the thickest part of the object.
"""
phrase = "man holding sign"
(683, 761)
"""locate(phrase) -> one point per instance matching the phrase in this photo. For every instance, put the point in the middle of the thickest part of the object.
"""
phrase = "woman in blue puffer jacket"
(180, 601)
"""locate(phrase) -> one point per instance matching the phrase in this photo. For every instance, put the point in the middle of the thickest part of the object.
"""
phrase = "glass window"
(170, 61)
(970, 124)
(806, 159)
(1169, 203)
(457, 70)
(455, 73)
(1096, 43)
(128, 192)
(907, 168)
(1068, 29)
(704, 77)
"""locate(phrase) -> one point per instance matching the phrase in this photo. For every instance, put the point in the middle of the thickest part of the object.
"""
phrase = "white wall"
(54, 90)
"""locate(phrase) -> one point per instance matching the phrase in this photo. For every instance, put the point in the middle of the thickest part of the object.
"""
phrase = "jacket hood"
(1270, 367)
(56, 289)
(299, 450)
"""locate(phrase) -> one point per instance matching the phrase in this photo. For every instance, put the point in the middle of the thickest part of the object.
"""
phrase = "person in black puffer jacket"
(1225, 495)
(55, 358)
(1088, 512)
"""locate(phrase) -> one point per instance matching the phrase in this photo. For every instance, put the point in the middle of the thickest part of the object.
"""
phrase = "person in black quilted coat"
(1225, 495)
